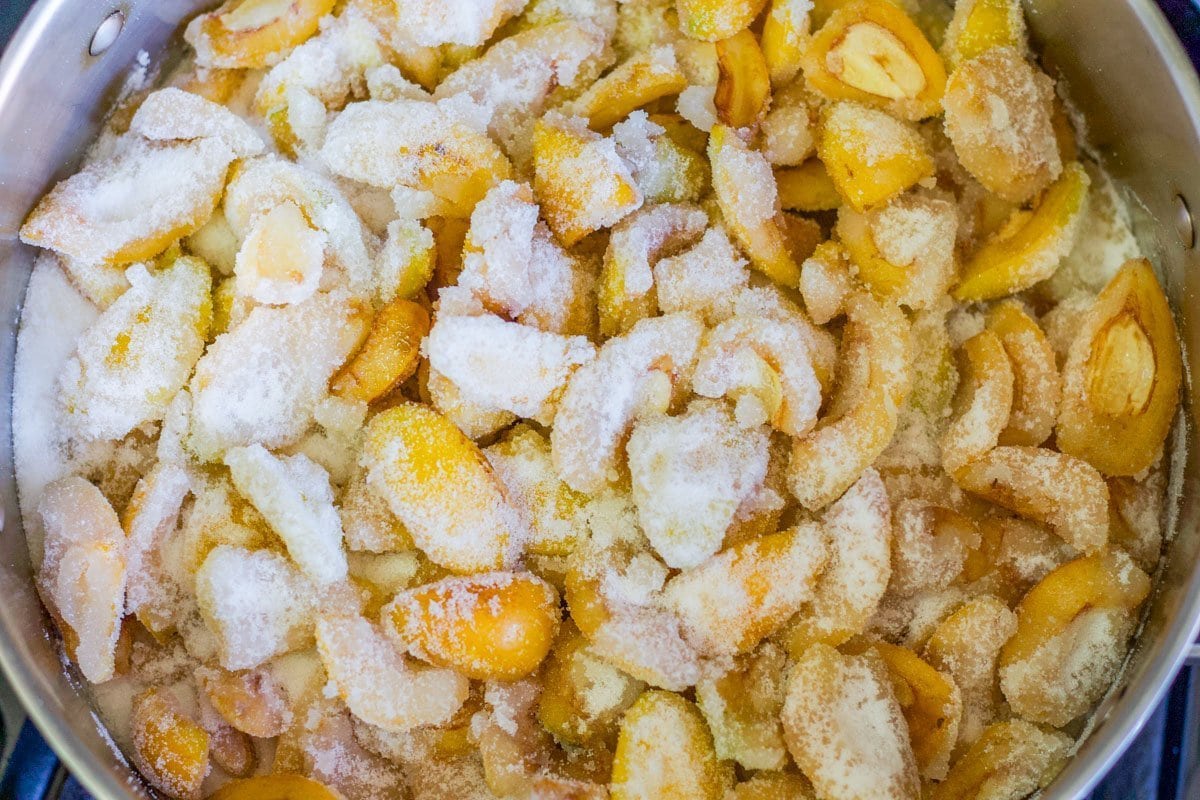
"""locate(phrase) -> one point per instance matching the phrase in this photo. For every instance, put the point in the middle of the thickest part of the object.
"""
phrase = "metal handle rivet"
(1185, 226)
(107, 33)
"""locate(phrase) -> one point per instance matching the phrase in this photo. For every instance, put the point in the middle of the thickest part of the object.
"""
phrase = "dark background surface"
(11, 12)
(1161, 763)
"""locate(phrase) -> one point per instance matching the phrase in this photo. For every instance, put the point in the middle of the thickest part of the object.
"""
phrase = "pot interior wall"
(52, 98)
(1142, 108)
(1140, 101)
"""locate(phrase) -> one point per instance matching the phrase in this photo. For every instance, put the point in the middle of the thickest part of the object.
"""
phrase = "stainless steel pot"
(1123, 65)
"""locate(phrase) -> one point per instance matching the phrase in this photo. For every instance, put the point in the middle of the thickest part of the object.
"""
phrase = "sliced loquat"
(870, 155)
(870, 51)
(749, 201)
(1037, 388)
(845, 728)
(493, 626)
(1030, 245)
(1057, 489)
(389, 355)
(634, 83)
(439, 484)
(253, 33)
(169, 748)
(744, 82)
(665, 752)
(984, 402)
(1122, 376)
(1010, 759)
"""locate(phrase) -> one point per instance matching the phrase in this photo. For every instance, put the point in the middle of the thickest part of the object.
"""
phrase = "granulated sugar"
(171, 114)
(255, 602)
(689, 475)
(504, 365)
(261, 381)
(603, 397)
(704, 279)
(117, 205)
(845, 728)
(294, 496)
(139, 353)
(54, 316)
(468, 22)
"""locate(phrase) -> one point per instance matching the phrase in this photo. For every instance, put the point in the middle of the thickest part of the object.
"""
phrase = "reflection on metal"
(107, 33)
(1184, 224)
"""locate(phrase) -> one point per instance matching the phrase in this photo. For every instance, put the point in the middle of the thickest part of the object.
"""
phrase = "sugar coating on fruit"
(468, 22)
(281, 259)
(550, 508)
(770, 302)
(754, 197)
(424, 146)
(138, 354)
(150, 519)
(55, 314)
(505, 365)
(689, 474)
(742, 709)
(262, 184)
(580, 178)
(1064, 492)
(607, 687)
(859, 526)
(439, 484)
(985, 404)
(1071, 671)
(83, 574)
(474, 420)
(661, 169)
(724, 602)
(256, 603)
(134, 203)
(514, 266)
(379, 686)
(649, 645)
(918, 234)
(640, 241)
(514, 78)
(872, 134)
(704, 279)
(405, 263)
(928, 551)
(323, 72)
(496, 625)
(844, 727)
(368, 524)
(966, 645)
(743, 358)
(293, 494)
(261, 381)
(998, 114)
(1104, 243)
(603, 398)
(697, 107)
(788, 133)
(172, 114)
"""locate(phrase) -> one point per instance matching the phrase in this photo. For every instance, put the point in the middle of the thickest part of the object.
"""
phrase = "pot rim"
(1095, 757)
(1138, 699)
(20, 673)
